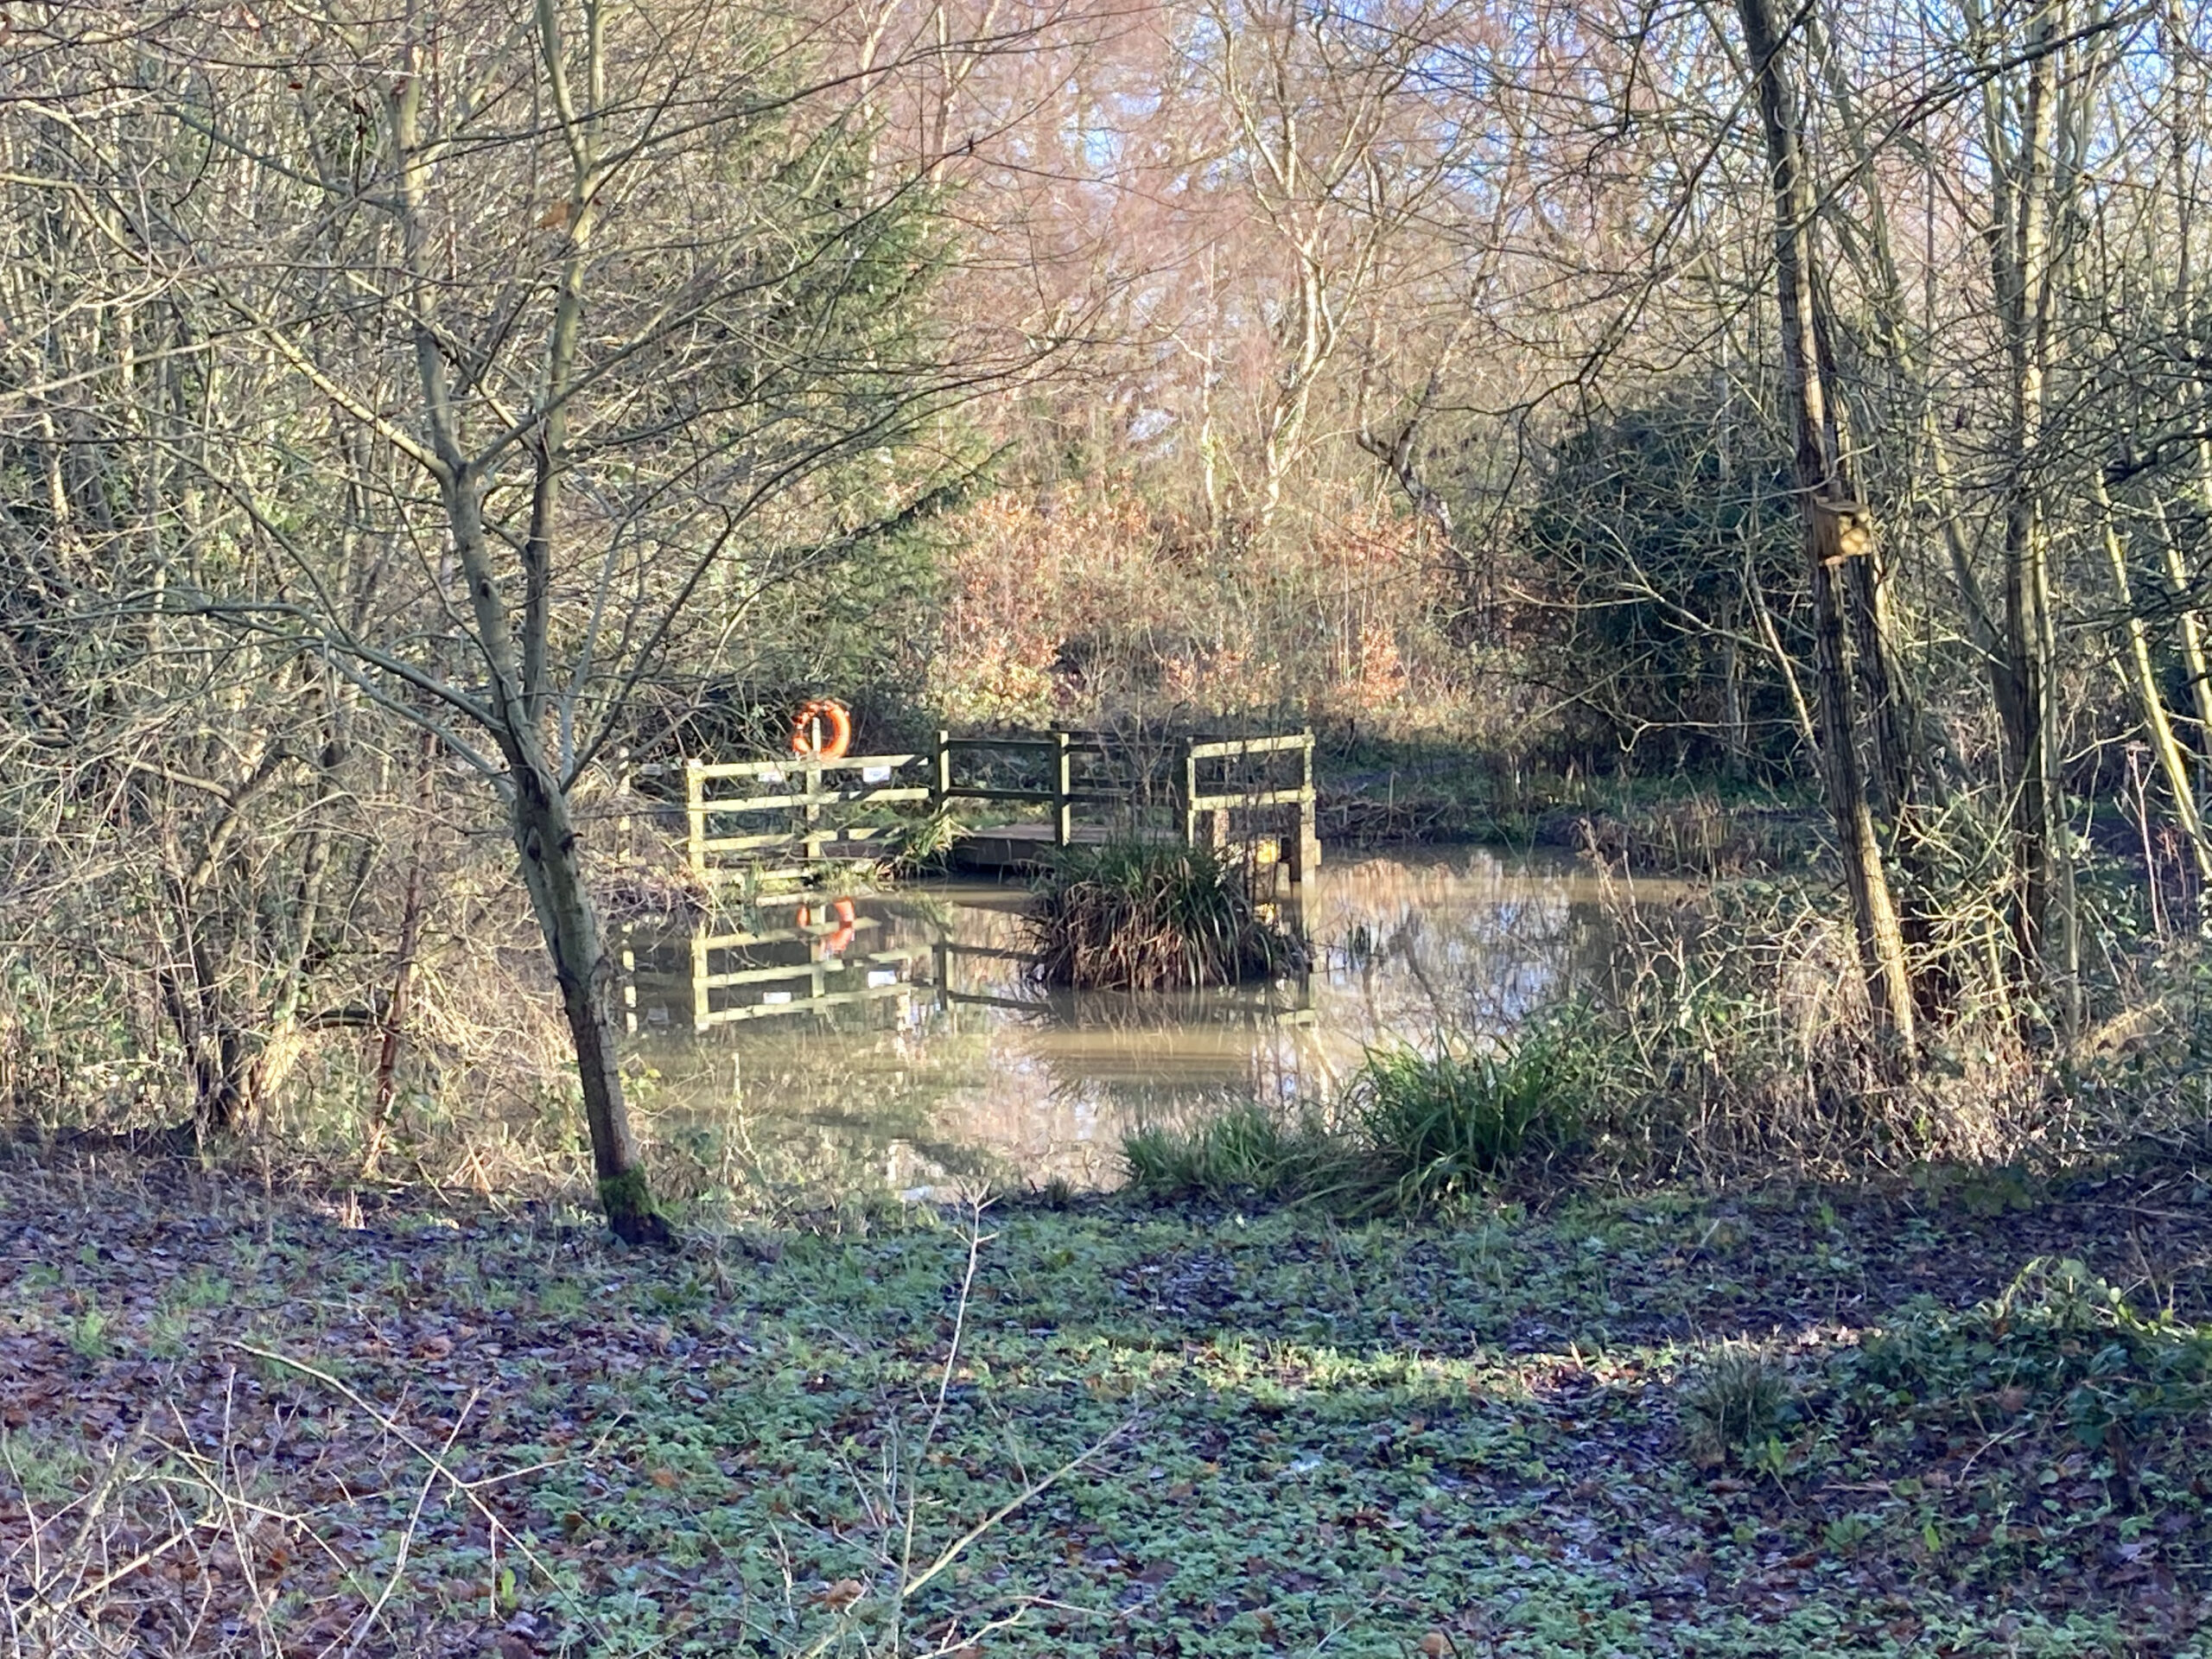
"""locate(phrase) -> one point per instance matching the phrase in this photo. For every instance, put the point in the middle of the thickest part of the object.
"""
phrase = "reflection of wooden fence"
(824, 980)
(1211, 792)
(1267, 1001)
(949, 952)
(732, 977)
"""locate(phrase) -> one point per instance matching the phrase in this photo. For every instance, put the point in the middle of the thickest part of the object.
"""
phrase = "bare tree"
(593, 311)
(1838, 528)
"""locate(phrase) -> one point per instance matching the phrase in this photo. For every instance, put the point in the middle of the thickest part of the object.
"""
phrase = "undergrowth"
(1448, 1121)
(1125, 1432)
(1137, 916)
(2060, 1355)
(1415, 1129)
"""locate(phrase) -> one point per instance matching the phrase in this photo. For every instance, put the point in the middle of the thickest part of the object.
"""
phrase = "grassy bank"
(1376, 792)
(1413, 1129)
(1810, 1421)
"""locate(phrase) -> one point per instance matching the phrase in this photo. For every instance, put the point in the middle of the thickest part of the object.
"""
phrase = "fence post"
(629, 984)
(813, 839)
(695, 799)
(1190, 796)
(1309, 839)
(701, 1014)
(1063, 813)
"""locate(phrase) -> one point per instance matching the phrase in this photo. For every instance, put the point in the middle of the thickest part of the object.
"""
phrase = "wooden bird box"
(1844, 530)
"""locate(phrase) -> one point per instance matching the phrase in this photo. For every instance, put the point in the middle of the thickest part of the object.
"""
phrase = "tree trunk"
(546, 838)
(2191, 628)
(1824, 489)
(403, 972)
(2020, 245)
(2189, 93)
(2142, 675)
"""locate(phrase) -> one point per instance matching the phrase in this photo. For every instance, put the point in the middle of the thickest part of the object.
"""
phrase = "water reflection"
(897, 1032)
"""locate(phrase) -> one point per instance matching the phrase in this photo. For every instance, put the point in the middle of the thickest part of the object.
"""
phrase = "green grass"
(1144, 916)
(1446, 1121)
(1420, 1129)
(1247, 1151)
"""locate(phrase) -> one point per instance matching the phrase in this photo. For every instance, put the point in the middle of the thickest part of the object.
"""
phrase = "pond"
(892, 1038)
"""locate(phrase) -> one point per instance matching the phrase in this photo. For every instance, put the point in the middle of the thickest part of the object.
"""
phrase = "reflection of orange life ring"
(825, 722)
(835, 941)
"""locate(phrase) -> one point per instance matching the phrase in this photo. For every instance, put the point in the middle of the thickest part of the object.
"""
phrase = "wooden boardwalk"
(791, 818)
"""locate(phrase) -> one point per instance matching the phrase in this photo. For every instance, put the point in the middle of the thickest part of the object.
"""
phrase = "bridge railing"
(1287, 809)
(1216, 791)
(799, 789)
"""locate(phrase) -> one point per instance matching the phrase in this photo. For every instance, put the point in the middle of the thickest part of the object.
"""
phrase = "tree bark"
(2190, 625)
(2020, 246)
(2142, 675)
(1824, 489)
(545, 836)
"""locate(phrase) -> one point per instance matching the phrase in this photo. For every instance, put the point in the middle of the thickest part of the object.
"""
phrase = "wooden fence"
(798, 812)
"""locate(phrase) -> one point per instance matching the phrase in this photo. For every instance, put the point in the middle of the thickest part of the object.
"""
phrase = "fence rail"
(816, 810)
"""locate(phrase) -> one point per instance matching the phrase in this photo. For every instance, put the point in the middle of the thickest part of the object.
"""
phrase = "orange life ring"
(843, 925)
(823, 721)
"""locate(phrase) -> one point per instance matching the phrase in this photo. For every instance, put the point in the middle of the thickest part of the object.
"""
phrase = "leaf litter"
(228, 1423)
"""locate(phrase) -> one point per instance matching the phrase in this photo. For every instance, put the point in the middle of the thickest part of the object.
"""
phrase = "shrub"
(2060, 1344)
(1136, 916)
(1448, 1121)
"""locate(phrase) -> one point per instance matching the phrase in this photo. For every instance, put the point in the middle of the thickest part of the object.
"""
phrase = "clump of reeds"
(1443, 1122)
(1415, 1129)
(1135, 916)
(1247, 1150)
(1736, 1399)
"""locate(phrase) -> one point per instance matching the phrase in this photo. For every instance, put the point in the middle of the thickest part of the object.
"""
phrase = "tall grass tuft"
(1134, 916)
(1736, 1399)
(1247, 1151)
(1446, 1122)
(1413, 1129)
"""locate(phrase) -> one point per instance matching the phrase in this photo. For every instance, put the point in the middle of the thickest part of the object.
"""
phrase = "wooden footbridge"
(756, 822)
(791, 818)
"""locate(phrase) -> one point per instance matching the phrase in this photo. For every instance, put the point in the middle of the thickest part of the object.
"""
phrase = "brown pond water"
(945, 1065)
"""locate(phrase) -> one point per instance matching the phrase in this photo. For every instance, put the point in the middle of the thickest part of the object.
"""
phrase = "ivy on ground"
(1141, 1431)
